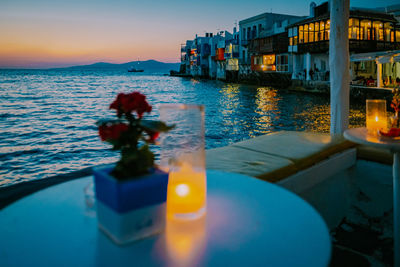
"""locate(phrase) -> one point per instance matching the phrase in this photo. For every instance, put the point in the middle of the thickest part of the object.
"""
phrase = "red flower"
(154, 136)
(128, 103)
(112, 132)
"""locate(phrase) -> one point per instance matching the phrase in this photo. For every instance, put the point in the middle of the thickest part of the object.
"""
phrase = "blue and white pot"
(131, 209)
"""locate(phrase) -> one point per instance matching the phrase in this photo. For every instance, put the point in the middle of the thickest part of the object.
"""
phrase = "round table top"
(248, 222)
(361, 136)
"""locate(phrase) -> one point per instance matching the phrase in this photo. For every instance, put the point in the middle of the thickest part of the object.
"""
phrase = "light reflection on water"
(47, 117)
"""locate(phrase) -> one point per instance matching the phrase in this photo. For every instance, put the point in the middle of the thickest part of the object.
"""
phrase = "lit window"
(378, 30)
(311, 32)
(365, 30)
(306, 33)
(301, 35)
(321, 30)
(388, 30)
(354, 29)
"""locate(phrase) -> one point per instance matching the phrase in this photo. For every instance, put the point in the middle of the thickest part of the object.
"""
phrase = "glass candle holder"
(376, 118)
(183, 156)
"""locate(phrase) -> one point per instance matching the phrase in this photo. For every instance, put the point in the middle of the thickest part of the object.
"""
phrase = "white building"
(369, 31)
(257, 27)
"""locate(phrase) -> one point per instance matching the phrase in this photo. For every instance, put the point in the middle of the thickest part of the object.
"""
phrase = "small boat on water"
(137, 69)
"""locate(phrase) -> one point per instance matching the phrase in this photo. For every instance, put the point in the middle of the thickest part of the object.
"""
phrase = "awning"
(380, 57)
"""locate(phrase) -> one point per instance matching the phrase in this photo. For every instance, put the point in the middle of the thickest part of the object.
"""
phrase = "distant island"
(147, 66)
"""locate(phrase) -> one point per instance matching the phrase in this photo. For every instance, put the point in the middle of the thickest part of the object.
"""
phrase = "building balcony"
(357, 46)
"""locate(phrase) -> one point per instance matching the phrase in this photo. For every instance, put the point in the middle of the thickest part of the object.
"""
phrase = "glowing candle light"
(376, 116)
(183, 156)
(182, 190)
(186, 191)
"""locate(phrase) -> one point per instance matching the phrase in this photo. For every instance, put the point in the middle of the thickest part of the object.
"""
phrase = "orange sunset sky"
(53, 33)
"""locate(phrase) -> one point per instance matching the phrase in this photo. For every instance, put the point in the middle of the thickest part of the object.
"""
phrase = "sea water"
(47, 117)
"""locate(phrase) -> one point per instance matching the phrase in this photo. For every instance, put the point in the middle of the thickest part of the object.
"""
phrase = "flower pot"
(131, 209)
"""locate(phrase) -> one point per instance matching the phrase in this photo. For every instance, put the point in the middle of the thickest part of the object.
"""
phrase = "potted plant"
(131, 194)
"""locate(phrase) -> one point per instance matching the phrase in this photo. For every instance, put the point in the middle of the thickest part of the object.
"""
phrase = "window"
(259, 29)
(388, 29)
(306, 33)
(354, 29)
(311, 32)
(282, 63)
(397, 36)
(269, 62)
(321, 30)
(365, 30)
(327, 29)
(257, 60)
(316, 38)
(295, 40)
(290, 41)
(254, 33)
(244, 33)
(301, 35)
(378, 30)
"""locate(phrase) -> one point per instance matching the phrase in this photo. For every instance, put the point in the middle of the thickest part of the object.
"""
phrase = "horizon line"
(71, 65)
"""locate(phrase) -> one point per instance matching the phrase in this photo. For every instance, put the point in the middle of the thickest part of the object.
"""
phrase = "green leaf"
(155, 126)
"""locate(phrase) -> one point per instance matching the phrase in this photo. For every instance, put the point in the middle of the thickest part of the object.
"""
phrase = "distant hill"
(147, 66)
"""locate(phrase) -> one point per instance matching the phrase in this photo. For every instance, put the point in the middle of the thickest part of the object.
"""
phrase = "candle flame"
(182, 190)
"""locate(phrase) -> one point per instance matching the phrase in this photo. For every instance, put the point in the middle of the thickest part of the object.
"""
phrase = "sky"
(53, 33)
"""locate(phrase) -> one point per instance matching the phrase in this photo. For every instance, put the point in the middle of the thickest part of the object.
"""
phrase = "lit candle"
(186, 191)
(376, 116)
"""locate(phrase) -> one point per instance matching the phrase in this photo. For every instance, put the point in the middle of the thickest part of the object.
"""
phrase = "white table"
(249, 222)
(361, 136)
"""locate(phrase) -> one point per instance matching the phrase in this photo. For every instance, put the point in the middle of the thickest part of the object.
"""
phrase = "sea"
(47, 117)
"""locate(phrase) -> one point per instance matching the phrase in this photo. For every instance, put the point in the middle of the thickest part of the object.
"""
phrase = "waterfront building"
(204, 56)
(208, 56)
(258, 28)
(232, 53)
(269, 52)
(370, 33)
(200, 59)
(185, 57)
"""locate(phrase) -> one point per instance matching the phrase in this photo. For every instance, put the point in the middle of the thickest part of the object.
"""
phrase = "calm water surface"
(47, 117)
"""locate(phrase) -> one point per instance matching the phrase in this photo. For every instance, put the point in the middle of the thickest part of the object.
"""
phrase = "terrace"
(349, 185)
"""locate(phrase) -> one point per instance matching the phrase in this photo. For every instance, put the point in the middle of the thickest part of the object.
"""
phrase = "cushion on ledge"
(303, 148)
(275, 156)
(252, 163)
